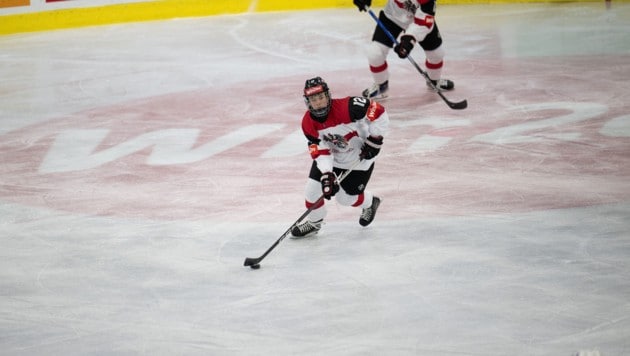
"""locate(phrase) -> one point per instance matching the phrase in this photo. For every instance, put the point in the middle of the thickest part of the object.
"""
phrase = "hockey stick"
(255, 262)
(456, 106)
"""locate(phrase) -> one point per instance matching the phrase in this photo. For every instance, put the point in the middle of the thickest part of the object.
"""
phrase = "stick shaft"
(252, 261)
(460, 105)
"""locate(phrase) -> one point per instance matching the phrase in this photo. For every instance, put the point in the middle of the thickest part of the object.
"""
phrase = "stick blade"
(459, 105)
(251, 261)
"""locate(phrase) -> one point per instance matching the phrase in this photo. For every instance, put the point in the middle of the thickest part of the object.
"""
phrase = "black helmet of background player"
(313, 89)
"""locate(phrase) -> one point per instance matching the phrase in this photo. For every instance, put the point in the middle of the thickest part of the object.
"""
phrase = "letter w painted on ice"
(73, 150)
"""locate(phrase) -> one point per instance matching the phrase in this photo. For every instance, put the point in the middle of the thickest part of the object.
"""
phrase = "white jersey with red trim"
(409, 16)
(337, 141)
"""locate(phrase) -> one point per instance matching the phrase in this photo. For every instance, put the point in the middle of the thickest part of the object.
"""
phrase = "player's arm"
(378, 123)
(319, 151)
(372, 111)
(423, 20)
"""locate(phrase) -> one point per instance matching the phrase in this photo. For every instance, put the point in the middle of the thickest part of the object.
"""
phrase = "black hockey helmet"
(315, 86)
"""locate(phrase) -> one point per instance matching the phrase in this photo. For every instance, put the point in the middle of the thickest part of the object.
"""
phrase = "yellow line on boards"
(168, 9)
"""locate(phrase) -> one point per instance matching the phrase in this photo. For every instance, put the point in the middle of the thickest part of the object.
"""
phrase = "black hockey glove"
(405, 46)
(361, 4)
(371, 147)
(330, 187)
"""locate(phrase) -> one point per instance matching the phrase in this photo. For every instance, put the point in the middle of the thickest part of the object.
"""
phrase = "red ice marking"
(241, 156)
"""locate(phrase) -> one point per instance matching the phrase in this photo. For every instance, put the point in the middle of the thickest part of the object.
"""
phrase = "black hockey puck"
(256, 266)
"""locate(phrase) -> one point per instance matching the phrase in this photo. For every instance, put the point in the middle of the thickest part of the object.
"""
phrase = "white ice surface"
(504, 229)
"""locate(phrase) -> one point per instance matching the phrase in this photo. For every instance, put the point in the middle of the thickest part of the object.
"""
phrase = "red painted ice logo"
(186, 157)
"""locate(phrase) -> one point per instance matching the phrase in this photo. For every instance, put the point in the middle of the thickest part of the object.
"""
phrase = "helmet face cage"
(315, 86)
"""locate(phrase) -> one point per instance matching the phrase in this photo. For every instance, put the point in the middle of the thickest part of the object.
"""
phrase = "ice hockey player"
(340, 132)
(416, 20)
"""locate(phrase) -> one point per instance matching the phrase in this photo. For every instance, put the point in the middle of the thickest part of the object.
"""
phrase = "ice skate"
(377, 91)
(368, 214)
(441, 84)
(306, 229)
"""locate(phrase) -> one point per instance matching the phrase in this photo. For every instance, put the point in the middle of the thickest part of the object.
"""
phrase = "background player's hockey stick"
(255, 262)
(456, 106)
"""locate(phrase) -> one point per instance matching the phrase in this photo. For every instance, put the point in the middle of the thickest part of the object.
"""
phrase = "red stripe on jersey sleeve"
(315, 152)
(374, 111)
(427, 21)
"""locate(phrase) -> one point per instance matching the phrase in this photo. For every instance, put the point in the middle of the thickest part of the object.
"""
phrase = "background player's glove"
(330, 187)
(404, 47)
(361, 4)
(371, 147)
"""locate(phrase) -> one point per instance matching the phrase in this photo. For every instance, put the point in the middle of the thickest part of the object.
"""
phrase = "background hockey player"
(416, 20)
(340, 132)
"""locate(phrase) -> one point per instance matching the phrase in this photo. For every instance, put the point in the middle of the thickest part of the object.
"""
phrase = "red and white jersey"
(337, 141)
(409, 16)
